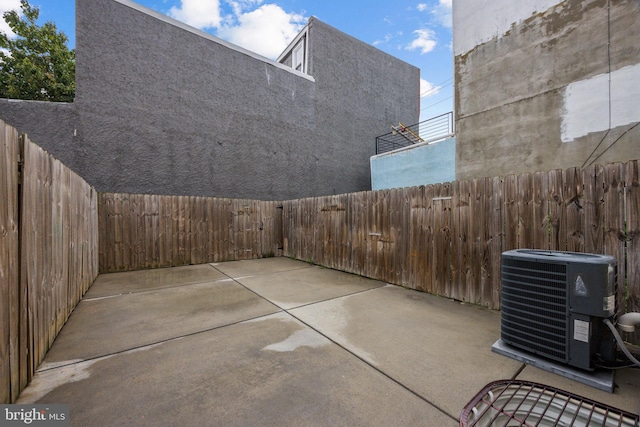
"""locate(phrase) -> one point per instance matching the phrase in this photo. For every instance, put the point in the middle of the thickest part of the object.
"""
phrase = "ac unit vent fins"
(534, 307)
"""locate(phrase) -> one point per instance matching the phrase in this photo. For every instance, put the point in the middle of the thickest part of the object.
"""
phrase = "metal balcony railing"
(431, 130)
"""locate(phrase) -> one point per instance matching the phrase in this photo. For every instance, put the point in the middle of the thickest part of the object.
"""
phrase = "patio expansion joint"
(146, 291)
(214, 266)
(375, 368)
(519, 371)
(54, 366)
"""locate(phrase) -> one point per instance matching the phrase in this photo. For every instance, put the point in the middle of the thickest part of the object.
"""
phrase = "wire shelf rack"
(522, 403)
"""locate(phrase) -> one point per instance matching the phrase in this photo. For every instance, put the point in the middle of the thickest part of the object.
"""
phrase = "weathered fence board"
(10, 298)
(413, 262)
(540, 214)
(497, 243)
(150, 231)
(58, 239)
(594, 183)
(460, 247)
(557, 222)
(613, 235)
(525, 224)
(574, 205)
(511, 215)
(630, 294)
(48, 237)
(474, 222)
(447, 239)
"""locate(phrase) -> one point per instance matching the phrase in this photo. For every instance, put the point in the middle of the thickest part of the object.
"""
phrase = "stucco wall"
(545, 84)
(360, 92)
(167, 109)
(51, 125)
(421, 164)
(163, 108)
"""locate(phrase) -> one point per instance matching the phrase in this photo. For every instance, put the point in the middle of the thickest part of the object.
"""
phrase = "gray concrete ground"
(277, 342)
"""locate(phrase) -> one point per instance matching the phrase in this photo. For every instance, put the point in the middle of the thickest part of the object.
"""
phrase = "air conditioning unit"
(554, 304)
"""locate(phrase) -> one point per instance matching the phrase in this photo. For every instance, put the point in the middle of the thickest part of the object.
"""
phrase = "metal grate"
(534, 307)
(524, 403)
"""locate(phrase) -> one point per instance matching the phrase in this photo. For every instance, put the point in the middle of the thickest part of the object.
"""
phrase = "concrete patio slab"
(268, 372)
(438, 348)
(278, 342)
(294, 288)
(103, 326)
(144, 280)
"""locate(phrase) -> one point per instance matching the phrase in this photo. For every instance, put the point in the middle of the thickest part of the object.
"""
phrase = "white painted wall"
(478, 21)
(586, 103)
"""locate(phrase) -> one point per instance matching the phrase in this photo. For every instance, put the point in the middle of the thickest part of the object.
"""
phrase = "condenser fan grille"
(534, 307)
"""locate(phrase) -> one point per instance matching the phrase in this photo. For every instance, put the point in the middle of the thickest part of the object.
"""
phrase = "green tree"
(36, 64)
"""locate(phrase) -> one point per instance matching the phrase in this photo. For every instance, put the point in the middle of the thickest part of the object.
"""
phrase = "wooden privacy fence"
(447, 239)
(48, 241)
(56, 233)
(444, 239)
(148, 231)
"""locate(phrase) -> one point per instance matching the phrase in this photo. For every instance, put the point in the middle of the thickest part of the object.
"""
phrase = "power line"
(433, 105)
(612, 144)
(436, 88)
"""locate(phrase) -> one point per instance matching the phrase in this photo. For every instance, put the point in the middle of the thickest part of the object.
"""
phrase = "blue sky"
(416, 31)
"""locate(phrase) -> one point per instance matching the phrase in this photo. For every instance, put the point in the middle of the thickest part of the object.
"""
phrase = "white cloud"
(241, 6)
(427, 89)
(442, 13)
(266, 30)
(425, 41)
(5, 6)
(198, 13)
(386, 39)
